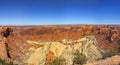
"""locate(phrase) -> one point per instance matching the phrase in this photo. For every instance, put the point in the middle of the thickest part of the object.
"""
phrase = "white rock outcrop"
(87, 45)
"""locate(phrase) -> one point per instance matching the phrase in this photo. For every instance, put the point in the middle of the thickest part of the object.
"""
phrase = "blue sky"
(41, 12)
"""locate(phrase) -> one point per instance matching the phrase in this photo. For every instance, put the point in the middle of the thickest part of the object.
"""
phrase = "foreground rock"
(114, 60)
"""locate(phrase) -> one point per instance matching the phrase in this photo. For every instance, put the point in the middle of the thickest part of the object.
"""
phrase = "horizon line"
(51, 24)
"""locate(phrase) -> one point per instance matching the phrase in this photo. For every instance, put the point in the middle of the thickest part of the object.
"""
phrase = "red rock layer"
(108, 36)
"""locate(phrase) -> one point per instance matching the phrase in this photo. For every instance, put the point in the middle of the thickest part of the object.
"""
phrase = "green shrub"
(2, 62)
(109, 54)
(79, 58)
(57, 61)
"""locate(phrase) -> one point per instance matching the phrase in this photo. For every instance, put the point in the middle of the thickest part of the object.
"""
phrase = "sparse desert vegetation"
(79, 58)
(2, 62)
(57, 61)
(110, 53)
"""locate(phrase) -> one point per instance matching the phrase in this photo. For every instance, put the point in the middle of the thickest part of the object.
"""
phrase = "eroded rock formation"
(34, 44)
(51, 50)
(4, 48)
